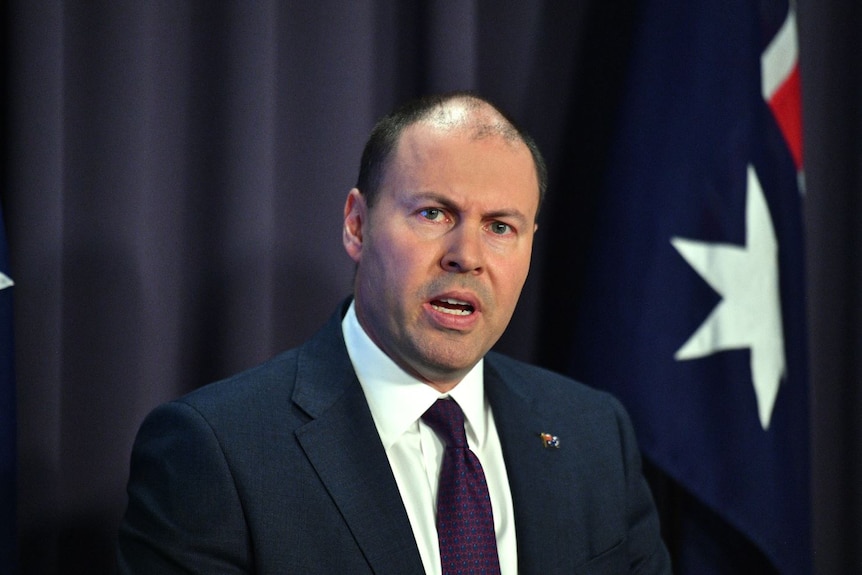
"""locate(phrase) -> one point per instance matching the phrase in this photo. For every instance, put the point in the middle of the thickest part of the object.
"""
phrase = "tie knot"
(447, 420)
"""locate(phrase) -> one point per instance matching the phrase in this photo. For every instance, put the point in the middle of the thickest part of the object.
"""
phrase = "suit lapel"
(531, 469)
(343, 445)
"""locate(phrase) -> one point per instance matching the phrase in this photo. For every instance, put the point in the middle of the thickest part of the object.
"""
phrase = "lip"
(454, 310)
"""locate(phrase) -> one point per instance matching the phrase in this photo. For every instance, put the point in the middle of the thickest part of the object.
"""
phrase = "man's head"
(441, 227)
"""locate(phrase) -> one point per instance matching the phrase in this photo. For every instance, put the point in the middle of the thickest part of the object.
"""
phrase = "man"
(328, 458)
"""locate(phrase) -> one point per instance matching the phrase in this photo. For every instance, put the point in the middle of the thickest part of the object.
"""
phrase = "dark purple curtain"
(832, 102)
(173, 176)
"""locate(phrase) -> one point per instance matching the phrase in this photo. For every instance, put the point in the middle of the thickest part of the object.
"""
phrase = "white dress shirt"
(397, 401)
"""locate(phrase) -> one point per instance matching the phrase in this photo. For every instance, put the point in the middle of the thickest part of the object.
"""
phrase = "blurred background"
(173, 177)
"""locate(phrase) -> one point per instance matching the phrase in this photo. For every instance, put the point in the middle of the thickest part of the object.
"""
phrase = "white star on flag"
(5, 281)
(749, 315)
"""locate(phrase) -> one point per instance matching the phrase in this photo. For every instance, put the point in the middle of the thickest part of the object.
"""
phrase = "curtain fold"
(173, 181)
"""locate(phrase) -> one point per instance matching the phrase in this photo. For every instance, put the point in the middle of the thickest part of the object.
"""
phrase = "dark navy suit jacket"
(280, 470)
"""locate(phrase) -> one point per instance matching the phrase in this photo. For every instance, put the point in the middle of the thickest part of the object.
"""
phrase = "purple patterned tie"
(465, 522)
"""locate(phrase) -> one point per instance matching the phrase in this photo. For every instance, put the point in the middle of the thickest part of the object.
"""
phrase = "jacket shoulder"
(546, 385)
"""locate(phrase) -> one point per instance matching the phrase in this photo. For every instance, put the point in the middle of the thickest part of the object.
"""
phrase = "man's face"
(445, 250)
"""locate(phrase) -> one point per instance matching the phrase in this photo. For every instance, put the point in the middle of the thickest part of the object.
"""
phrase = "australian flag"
(692, 310)
(8, 451)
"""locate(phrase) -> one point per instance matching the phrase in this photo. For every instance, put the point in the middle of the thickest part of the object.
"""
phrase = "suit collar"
(530, 468)
(342, 444)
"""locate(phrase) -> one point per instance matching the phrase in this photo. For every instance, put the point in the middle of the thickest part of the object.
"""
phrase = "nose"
(463, 253)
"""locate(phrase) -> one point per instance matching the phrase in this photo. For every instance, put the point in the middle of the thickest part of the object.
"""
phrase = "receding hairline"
(470, 114)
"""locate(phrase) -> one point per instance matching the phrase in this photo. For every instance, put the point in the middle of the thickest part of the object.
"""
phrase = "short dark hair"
(387, 132)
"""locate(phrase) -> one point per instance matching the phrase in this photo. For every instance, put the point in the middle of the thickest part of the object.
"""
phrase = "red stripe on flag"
(786, 105)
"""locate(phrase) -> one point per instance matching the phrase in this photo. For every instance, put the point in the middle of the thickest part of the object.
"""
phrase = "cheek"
(392, 263)
(513, 277)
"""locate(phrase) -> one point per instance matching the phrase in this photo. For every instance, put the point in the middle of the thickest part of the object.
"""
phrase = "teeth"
(453, 306)
(451, 311)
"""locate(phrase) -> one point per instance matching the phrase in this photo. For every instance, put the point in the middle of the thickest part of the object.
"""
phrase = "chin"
(452, 363)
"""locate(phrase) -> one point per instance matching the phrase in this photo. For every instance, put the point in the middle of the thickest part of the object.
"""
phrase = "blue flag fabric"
(8, 451)
(692, 311)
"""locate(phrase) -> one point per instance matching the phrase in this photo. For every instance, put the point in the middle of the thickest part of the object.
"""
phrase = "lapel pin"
(549, 440)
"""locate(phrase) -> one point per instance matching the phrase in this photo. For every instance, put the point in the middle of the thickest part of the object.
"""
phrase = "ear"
(355, 212)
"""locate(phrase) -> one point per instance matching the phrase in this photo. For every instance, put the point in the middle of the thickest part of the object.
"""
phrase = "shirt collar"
(397, 399)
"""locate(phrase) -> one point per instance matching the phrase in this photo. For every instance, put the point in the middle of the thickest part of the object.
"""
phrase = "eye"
(432, 214)
(500, 229)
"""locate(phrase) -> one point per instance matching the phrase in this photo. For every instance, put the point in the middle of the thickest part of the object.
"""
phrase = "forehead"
(463, 162)
(441, 134)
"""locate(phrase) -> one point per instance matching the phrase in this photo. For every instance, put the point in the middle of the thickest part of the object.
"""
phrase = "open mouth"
(452, 306)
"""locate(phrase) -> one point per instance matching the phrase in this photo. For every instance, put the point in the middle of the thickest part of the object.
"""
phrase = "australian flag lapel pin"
(549, 440)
